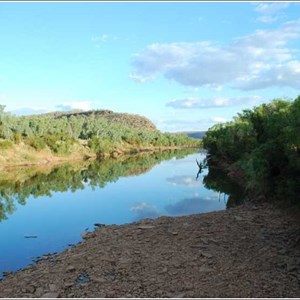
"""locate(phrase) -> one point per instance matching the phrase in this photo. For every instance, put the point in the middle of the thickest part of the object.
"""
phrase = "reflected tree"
(16, 186)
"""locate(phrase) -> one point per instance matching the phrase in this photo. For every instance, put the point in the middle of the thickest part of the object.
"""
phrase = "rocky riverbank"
(245, 252)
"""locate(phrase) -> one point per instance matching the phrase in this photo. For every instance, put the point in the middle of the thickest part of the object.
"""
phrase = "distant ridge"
(194, 134)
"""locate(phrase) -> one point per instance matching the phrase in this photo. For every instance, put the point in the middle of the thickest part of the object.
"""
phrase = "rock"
(204, 269)
(84, 234)
(99, 225)
(70, 268)
(68, 284)
(237, 218)
(175, 233)
(205, 254)
(52, 287)
(181, 295)
(146, 226)
(291, 267)
(213, 240)
(204, 240)
(6, 273)
(98, 279)
(51, 295)
(282, 251)
(39, 291)
(30, 289)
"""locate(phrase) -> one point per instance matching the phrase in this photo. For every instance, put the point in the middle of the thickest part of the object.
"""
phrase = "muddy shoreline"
(247, 251)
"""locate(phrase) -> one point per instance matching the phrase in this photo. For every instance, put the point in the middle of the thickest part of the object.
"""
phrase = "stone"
(181, 295)
(237, 218)
(146, 226)
(70, 268)
(52, 287)
(291, 267)
(39, 291)
(204, 240)
(30, 289)
(205, 254)
(68, 284)
(84, 235)
(50, 295)
(204, 269)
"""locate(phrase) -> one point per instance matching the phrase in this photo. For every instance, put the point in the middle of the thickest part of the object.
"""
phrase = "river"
(45, 209)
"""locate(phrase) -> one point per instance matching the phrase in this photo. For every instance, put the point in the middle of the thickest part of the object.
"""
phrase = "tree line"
(102, 131)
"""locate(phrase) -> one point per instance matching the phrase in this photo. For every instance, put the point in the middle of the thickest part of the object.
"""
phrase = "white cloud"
(25, 111)
(267, 19)
(177, 125)
(218, 120)
(82, 105)
(199, 103)
(270, 12)
(103, 38)
(270, 8)
(240, 64)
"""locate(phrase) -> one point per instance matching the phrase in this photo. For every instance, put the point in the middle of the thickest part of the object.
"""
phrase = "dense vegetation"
(261, 149)
(102, 131)
(19, 184)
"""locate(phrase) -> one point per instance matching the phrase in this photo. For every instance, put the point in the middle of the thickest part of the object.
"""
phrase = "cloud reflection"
(195, 205)
(185, 180)
(142, 210)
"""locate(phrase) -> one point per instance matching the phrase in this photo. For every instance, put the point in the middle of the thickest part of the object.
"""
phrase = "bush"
(6, 144)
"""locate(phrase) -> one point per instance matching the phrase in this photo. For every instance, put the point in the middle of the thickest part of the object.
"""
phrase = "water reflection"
(17, 185)
(143, 210)
(217, 180)
(184, 180)
(195, 205)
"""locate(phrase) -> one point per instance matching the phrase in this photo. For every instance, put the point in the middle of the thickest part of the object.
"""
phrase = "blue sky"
(184, 65)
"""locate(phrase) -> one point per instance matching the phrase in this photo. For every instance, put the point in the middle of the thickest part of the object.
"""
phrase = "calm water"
(57, 204)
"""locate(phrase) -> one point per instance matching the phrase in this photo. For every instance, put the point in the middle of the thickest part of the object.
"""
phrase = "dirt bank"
(241, 252)
(24, 155)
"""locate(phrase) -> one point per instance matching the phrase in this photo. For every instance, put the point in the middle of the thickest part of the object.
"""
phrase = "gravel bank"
(241, 252)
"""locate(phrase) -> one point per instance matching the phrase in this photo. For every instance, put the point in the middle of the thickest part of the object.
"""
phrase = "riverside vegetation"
(29, 139)
(260, 150)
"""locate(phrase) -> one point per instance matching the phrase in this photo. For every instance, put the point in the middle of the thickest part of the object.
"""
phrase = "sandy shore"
(241, 252)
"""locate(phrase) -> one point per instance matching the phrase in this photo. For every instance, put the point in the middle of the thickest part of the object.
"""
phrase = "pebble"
(52, 287)
(51, 295)
(205, 254)
(68, 284)
(70, 268)
(39, 291)
(146, 227)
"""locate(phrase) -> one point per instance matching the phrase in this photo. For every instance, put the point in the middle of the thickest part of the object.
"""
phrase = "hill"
(76, 134)
(130, 120)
